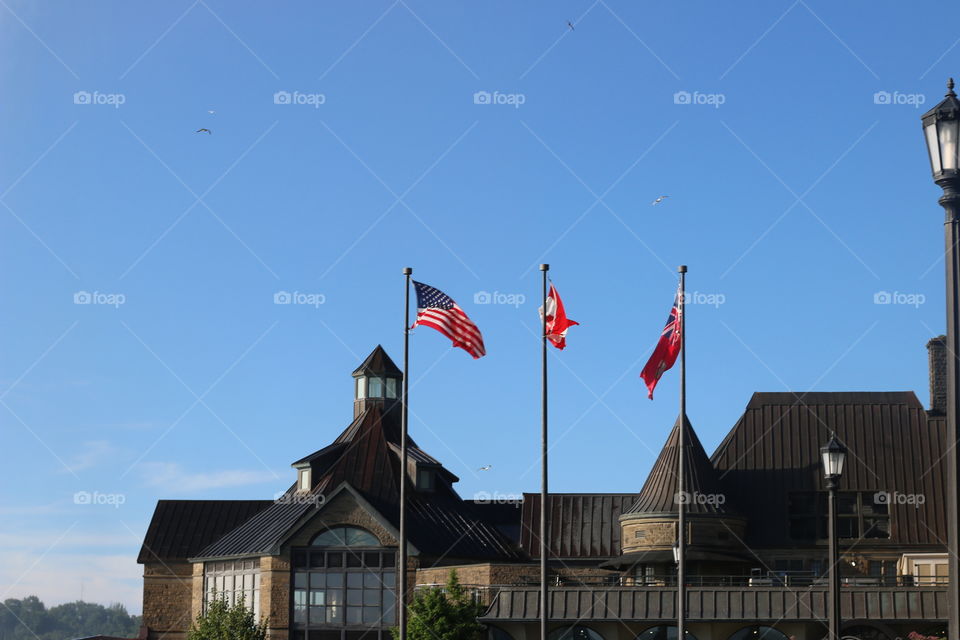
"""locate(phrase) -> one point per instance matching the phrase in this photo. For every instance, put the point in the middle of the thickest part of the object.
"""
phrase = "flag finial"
(544, 267)
(682, 268)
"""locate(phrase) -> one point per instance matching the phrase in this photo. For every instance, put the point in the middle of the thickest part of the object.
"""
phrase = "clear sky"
(350, 139)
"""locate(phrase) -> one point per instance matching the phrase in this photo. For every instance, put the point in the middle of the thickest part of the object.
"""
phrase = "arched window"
(345, 578)
(664, 632)
(575, 632)
(345, 537)
(757, 632)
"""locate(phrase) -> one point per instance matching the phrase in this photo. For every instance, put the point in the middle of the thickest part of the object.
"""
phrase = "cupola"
(377, 380)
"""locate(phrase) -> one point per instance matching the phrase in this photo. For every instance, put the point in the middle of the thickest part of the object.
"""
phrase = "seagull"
(659, 200)
(485, 467)
(570, 24)
(204, 130)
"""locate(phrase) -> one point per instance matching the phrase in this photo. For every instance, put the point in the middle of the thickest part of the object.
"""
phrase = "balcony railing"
(769, 579)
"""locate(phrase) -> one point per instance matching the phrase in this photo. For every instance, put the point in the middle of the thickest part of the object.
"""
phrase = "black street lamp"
(834, 455)
(941, 130)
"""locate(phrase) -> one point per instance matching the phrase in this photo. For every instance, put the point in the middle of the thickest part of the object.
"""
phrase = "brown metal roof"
(709, 604)
(366, 457)
(378, 363)
(893, 446)
(659, 493)
(582, 525)
(181, 528)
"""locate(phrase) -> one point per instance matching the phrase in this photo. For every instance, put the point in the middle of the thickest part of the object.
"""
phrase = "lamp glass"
(833, 459)
(933, 146)
(947, 132)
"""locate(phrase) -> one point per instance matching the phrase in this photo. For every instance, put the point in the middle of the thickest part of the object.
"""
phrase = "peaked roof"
(378, 363)
(700, 480)
(181, 528)
(893, 446)
(366, 458)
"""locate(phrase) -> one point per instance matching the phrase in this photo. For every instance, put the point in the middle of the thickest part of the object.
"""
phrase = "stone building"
(320, 561)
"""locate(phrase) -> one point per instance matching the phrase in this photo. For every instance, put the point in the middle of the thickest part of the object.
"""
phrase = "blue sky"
(352, 139)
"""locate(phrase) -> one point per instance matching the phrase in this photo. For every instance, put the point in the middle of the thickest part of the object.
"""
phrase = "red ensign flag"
(557, 320)
(668, 348)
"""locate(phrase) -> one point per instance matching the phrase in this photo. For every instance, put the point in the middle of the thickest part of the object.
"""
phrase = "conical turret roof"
(701, 483)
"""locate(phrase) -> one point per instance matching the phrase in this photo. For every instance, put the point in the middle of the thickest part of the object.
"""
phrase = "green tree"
(449, 613)
(29, 619)
(223, 621)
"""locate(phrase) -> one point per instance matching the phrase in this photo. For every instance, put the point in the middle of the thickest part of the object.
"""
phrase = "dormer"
(377, 380)
(304, 478)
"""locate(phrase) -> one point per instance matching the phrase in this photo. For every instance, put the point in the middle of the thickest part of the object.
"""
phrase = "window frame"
(351, 561)
(858, 518)
(218, 569)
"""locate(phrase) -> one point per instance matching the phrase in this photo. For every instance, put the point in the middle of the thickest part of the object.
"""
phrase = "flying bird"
(204, 130)
(485, 467)
(570, 24)
(659, 200)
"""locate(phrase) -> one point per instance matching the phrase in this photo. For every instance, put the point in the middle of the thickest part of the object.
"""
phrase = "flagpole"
(544, 521)
(681, 519)
(402, 560)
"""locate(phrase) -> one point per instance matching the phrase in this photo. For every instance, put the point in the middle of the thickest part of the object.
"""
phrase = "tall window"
(344, 586)
(232, 580)
(860, 514)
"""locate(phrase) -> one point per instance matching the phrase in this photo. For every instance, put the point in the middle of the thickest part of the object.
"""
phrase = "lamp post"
(941, 129)
(833, 454)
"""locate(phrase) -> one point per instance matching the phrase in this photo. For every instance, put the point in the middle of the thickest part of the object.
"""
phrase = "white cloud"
(172, 478)
(91, 455)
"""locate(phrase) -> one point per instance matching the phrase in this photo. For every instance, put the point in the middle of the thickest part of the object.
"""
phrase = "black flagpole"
(681, 497)
(402, 561)
(544, 521)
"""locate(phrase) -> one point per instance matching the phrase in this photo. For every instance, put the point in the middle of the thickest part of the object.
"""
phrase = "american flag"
(438, 310)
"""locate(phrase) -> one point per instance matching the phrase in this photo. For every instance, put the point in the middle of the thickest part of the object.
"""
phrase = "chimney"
(937, 356)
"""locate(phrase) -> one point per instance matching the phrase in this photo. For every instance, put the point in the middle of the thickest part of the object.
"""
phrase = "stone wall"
(937, 359)
(167, 599)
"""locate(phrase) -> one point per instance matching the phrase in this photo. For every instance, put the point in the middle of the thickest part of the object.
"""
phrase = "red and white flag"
(668, 348)
(557, 320)
(437, 310)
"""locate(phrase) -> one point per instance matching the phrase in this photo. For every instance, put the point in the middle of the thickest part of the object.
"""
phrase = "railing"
(769, 579)
(484, 594)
